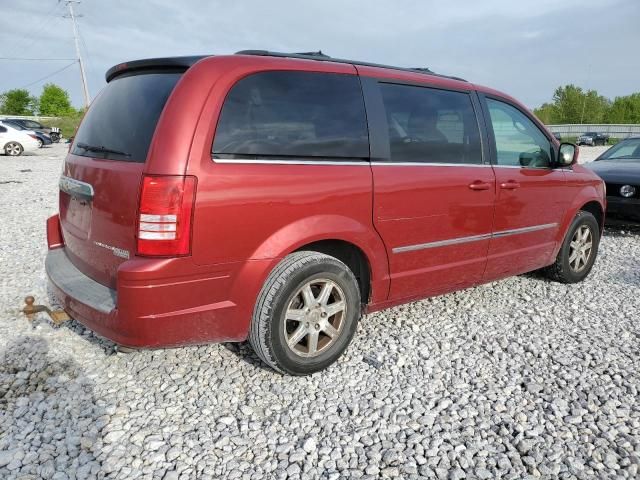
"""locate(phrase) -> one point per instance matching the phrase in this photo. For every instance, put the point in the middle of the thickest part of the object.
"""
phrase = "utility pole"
(83, 76)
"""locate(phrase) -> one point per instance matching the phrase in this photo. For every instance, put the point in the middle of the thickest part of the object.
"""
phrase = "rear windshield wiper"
(101, 149)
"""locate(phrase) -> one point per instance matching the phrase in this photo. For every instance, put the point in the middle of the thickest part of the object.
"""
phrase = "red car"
(276, 197)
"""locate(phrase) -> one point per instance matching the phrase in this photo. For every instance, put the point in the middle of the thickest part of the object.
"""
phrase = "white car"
(14, 142)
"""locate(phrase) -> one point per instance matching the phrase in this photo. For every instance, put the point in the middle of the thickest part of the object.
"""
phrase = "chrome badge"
(118, 252)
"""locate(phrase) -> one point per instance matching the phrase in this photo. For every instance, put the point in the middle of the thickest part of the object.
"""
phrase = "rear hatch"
(99, 187)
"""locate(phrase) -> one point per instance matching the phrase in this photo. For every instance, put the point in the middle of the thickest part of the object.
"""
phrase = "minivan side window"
(519, 142)
(293, 114)
(429, 125)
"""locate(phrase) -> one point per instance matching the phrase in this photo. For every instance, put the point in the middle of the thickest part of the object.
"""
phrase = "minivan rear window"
(122, 119)
(293, 114)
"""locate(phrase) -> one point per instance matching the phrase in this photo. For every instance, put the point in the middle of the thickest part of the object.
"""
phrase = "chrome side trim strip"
(473, 238)
(516, 231)
(442, 243)
(76, 188)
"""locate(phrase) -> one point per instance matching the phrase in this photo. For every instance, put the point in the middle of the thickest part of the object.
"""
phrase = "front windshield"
(625, 150)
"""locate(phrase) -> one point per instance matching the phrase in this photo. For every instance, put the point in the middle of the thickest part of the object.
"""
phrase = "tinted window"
(299, 114)
(17, 126)
(32, 124)
(3, 129)
(519, 142)
(429, 125)
(124, 116)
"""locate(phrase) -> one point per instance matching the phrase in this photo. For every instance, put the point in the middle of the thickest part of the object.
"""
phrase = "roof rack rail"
(319, 56)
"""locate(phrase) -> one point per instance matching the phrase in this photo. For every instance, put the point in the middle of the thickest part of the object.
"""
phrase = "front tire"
(13, 149)
(578, 251)
(306, 314)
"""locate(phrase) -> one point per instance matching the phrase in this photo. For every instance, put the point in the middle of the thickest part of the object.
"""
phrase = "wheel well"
(351, 256)
(595, 209)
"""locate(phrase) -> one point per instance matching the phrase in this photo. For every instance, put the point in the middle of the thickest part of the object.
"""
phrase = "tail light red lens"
(164, 220)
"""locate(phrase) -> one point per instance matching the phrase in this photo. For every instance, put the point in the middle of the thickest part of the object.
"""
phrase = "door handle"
(479, 185)
(510, 185)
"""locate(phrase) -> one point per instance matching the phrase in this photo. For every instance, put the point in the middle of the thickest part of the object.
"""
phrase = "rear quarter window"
(124, 116)
(293, 114)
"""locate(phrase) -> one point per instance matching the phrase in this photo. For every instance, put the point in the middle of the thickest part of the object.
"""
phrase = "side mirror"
(526, 159)
(567, 155)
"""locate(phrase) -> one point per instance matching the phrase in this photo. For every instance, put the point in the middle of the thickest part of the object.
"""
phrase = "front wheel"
(13, 149)
(578, 251)
(306, 314)
(40, 143)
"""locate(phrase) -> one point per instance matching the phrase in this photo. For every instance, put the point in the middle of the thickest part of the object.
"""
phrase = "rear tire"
(578, 251)
(13, 149)
(306, 313)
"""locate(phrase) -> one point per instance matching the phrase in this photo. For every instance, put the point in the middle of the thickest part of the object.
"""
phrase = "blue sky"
(524, 48)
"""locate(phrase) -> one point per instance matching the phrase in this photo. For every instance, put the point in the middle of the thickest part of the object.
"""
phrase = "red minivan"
(276, 197)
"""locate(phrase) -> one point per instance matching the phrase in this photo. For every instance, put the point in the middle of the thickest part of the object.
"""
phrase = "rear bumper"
(76, 285)
(151, 308)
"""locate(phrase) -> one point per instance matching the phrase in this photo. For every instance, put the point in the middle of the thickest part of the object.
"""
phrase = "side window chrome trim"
(284, 161)
(522, 167)
(428, 164)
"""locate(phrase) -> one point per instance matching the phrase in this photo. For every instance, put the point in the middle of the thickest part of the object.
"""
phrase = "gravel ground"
(521, 378)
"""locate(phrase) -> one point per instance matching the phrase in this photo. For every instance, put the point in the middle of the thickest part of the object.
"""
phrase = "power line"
(42, 26)
(36, 59)
(50, 75)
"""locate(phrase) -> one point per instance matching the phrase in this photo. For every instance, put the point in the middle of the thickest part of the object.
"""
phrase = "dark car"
(619, 167)
(52, 132)
(43, 138)
(593, 139)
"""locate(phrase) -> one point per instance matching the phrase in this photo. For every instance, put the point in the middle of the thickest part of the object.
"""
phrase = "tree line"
(54, 101)
(572, 104)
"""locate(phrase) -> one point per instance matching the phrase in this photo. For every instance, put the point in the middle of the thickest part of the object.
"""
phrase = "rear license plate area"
(76, 215)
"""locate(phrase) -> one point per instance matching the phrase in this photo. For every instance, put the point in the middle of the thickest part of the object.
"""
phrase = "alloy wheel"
(315, 317)
(580, 248)
(13, 149)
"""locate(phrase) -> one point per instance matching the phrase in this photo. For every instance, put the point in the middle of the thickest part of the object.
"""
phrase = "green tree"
(55, 102)
(18, 102)
(571, 104)
(624, 110)
(546, 113)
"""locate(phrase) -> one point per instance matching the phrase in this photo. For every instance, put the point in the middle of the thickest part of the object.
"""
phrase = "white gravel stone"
(522, 378)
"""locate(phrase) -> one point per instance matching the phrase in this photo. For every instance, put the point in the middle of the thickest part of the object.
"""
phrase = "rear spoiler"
(169, 63)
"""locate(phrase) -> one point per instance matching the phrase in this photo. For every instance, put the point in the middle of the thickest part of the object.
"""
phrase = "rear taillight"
(164, 221)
